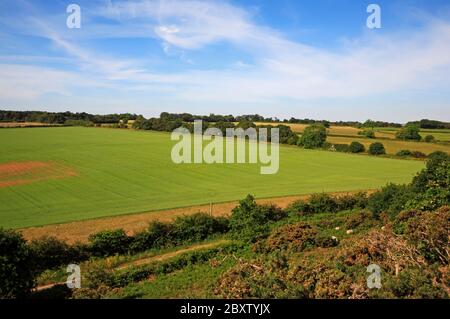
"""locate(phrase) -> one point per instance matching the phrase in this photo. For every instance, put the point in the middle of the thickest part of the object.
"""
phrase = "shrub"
(322, 203)
(409, 132)
(313, 136)
(50, 253)
(349, 201)
(418, 154)
(429, 139)
(377, 148)
(359, 219)
(429, 232)
(300, 207)
(325, 241)
(404, 153)
(428, 175)
(356, 147)
(296, 237)
(249, 221)
(343, 148)
(197, 227)
(390, 199)
(109, 242)
(16, 265)
(367, 133)
(157, 235)
(273, 212)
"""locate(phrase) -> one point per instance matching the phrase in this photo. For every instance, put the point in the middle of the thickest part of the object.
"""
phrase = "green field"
(124, 171)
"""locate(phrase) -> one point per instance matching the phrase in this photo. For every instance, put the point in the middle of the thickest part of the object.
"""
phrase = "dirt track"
(80, 230)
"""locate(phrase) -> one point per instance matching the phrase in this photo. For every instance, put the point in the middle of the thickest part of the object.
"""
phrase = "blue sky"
(314, 59)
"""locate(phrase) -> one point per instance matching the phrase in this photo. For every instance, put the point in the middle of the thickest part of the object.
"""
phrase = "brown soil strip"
(79, 231)
(17, 173)
(16, 168)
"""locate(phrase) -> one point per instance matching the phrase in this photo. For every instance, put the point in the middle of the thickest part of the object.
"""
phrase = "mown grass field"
(116, 172)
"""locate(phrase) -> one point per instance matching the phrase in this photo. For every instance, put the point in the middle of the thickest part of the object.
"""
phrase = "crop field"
(56, 175)
(333, 130)
(392, 146)
(384, 133)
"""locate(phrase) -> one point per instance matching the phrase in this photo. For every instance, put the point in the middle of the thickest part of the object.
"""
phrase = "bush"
(390, 199)
(409, 132)
(429, 139)
(157, 235)
(249, 221)
(356, 147)
(197, 227)
(432, 184)
(367, 133)
(325, 241)
(299, 207)
(404, 153)
(418, 154)
(296, 237)
(343, 148)
(359, 219)
(313, 136)
(50, 253)
(322, 203)
(429, 232)
(109, 242)
(16, 265)
(349, 201)
(377, 148)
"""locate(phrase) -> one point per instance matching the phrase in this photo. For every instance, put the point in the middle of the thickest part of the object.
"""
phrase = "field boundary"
(79, 231)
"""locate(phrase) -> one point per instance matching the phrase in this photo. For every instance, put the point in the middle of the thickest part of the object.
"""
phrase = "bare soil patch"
(17, 173)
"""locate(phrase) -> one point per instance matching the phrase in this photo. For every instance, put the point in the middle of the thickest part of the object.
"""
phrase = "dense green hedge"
(325, 203)
(16, 265)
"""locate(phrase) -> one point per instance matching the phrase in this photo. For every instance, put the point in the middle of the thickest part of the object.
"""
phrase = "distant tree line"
(430, 124)
(62, 117)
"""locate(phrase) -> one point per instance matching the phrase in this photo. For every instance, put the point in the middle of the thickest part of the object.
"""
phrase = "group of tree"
(430, 124)
(62, 117)
(373, 124)
(409, 132)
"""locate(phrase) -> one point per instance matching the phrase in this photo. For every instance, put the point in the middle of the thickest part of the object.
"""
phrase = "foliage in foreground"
(414, 264)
